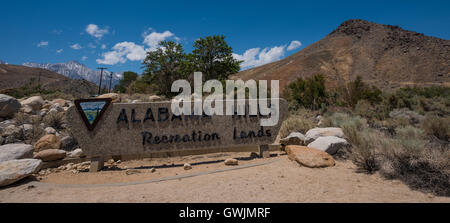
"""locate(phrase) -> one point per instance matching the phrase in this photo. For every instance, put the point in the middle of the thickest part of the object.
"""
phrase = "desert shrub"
(342, 120)
(300, 121)
(410, 138)
(437, 126)
(55, 120)
(364, 153)
(358, 90)
(57, 95)
(309, 93)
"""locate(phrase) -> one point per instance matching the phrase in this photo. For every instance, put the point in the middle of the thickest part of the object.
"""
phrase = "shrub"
(364, 152)
(410, 138)
(358, 90)
(342, 120)
(437, 126)
(309, 93)
(55, 120)
(297, 122)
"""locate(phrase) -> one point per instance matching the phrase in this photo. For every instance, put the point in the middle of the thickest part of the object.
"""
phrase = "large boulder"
(8, 106)
(15, 151)
(329, 144)
(114, 97)
(68, 143)
(34, 103)
(12, 130)
(15, 170)
(50, 155)
(295, 138)
(48, 142)
(309, 157)
(315, 133)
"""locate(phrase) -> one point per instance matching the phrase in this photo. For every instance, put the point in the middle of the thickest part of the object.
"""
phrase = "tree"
(165, 65)
(310, 92)
(357, 90)
(128, 78)
(213, 57)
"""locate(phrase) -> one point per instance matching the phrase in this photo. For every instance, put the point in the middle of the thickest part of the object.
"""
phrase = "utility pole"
(110, 81)
(101, 77)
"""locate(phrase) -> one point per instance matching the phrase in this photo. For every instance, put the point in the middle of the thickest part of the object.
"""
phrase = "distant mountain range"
(76, 70)
(3, 62)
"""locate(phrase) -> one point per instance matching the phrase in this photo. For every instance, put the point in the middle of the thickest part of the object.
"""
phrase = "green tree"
(214, 58)
(128, 78)
(358, 90)
(165, 65)
(310, 93)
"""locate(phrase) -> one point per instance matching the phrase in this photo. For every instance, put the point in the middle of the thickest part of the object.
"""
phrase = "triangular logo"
(91, 110)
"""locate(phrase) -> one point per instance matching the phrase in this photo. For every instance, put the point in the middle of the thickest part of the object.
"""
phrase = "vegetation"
(309, 93)
(128, 78)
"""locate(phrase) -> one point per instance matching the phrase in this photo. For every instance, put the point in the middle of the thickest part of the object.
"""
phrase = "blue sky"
(116, 34)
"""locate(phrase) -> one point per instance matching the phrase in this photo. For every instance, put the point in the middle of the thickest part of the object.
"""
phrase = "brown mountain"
(383, 55)
(15, 76)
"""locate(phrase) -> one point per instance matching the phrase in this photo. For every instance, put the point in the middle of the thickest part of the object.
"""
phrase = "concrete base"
(97, 164)
(264, 151)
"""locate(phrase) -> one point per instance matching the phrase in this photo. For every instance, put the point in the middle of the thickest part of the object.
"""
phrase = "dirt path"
(280, 180)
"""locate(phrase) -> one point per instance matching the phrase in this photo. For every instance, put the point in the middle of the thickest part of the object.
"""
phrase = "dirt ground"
(274, 179)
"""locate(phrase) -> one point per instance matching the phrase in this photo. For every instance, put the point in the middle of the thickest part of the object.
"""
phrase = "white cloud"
(103, 46)
(257, 57)
(121, 52)
(59, 51)
(42, 44)
(83, 58)
(152, 40)
(294, 45)
(91, 45)
(76, 46)
(95, 31)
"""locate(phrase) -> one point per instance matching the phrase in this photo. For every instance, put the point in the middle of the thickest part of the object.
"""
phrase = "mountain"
(76, 70)
(16, 76)
(386, 56)
(3, 62)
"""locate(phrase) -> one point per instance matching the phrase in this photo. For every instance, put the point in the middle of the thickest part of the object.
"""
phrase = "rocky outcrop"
(14, 170)
(309, 157)
(8, 106)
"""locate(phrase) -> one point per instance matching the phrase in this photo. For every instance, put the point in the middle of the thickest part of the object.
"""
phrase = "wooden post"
(264, 151)
(96, 164)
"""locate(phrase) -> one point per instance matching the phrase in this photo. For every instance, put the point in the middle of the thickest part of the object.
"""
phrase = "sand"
(275, 179)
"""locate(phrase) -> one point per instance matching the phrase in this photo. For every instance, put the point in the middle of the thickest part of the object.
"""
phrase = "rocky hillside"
(76, 70)
(383, 55)
(15, 76)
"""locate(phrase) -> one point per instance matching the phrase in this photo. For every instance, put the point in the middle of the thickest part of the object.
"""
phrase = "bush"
(358, 90)
(309, 93)
(364, 152)
(55, 120)
(343, 120)
(437, 126)
(410, 138)
(297, 122)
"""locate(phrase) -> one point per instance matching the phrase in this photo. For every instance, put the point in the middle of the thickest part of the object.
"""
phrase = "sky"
(117, 34)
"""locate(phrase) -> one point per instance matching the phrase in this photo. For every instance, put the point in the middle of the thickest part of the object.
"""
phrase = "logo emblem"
(91, 110)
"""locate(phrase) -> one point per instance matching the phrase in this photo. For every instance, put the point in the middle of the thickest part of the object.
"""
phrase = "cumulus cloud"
(257, 57)
(121, 52)
(76, 46)
(96, 31)
(59, 51)
(294, 45)
(42, 44)
(152, 40)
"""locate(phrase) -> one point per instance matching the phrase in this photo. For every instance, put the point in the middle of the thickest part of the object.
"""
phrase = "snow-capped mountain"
(3, 62)
(76, 70)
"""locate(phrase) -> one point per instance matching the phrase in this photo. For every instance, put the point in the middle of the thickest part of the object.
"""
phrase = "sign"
(142, 128)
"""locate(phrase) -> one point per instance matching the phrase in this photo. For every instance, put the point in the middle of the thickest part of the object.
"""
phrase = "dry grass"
(299, 121)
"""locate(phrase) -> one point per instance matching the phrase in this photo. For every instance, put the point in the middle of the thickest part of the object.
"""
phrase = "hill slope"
(383, 55)
(15, 76)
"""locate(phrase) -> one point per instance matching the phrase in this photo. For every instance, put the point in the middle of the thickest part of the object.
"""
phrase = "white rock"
(315, 133)
(15, 151)
(187, 166)
(295, 138)
(50, 130)
(34, 102)
(154, 98)
(15, 170)
(231, 162)
(76, 153)
(329, 144)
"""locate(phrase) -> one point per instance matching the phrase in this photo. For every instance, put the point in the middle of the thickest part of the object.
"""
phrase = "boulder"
(59, 101)
(295, 138)
(154, 98)
(50, 155)
(34, 103)
(50, 130)
(231, 162)
(187, 166)
(315, 133)
(15, 170)
(12, 130)
(48, 142)
(309, 157)
(77, 153)
(329, 144)
(114, 96)
(8, 106)
(68, 143)
(56, 107)
(15, 151)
